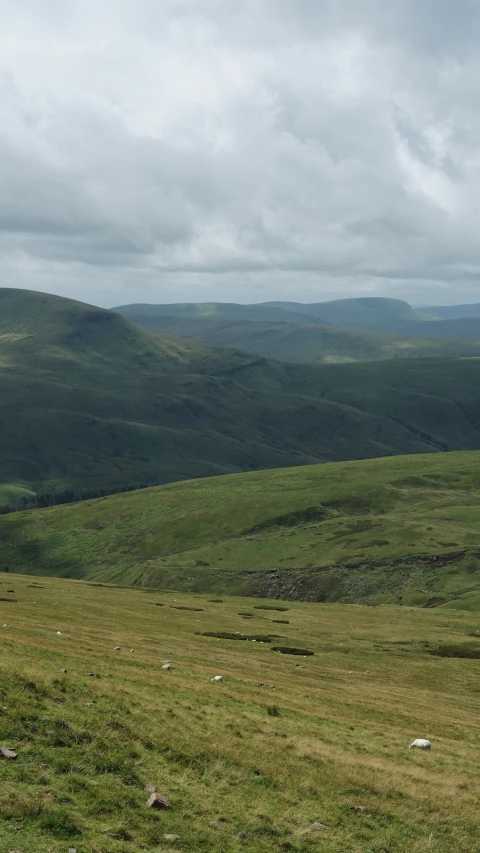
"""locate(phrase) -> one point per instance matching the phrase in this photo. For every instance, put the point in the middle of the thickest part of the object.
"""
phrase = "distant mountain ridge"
(345, 330)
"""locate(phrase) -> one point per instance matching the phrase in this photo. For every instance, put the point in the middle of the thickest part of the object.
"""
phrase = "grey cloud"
(209, 149)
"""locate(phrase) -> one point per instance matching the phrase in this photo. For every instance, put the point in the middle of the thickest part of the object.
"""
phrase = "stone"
(8, 753)
(152, 789)
(159, 801)
(170, 836)
(318, 827)
(72, 850)
(89, 704)
(359, 809)
(242, 835)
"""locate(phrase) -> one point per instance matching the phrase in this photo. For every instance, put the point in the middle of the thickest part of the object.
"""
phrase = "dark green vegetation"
(250, 764)
(309, 343)
(89, 400)
(325, 332)
(400, 530)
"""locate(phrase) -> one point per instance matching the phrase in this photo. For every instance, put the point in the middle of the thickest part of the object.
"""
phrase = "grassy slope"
(340, 740)
(311, 344)
(355, 531)
(90, 399)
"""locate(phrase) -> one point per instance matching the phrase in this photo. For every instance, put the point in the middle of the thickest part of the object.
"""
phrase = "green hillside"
(307, 343)
(399, 530)
(89, 399)
(249, 764)
(209, 322)
(262, 312)
(372, 313)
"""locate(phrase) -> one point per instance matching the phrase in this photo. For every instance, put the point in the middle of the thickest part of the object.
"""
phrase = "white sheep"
(420, 743)
(217, 678)
(167, 667)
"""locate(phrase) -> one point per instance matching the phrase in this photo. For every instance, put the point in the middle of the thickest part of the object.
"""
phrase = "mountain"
(307, 343)
(464, 329)
(373, 313)
(266, 312)
(89, 399)
(399, 530)
(454, 312)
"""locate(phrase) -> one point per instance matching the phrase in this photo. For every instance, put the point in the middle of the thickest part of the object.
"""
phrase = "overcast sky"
(240, 150)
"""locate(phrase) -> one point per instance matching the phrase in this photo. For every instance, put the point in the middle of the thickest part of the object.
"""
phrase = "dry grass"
(340, 739)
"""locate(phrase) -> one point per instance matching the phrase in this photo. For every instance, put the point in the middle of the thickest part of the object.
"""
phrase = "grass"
(283, 742)
(400, 530)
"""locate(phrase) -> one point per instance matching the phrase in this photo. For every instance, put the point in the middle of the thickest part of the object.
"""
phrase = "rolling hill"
(402, 530)
(306, 343)
(90, 399)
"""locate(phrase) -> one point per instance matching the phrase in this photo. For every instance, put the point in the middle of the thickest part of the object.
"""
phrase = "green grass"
(233, 758)
(362, 531)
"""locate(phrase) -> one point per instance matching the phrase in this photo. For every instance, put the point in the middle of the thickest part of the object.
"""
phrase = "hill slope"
(306, 343)
(238, 758)
(88, 398)
(399, 530)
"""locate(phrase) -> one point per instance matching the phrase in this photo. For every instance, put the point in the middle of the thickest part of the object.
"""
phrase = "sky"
(217, 150)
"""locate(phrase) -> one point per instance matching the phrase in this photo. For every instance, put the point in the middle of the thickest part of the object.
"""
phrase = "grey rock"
(359, 809)
(318, 827)
(159, 801)
(8, 753)
(170, 836)
(63, 670)
(152, 789)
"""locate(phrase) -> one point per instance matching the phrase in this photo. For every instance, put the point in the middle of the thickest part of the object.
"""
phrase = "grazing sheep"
(420, 743)
(167, 666)
(217, 678)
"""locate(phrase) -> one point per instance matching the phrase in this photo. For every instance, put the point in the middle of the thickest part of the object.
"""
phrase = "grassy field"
(249, 764)
(396, 530)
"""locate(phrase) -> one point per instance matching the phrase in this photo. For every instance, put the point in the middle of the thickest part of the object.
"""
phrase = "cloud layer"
(210, 149)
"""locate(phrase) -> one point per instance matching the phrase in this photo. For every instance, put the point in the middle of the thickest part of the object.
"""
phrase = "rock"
(152, 789)
(170, 836)
(89, 704)
(242, 835)
(159, 801)
(359, 809)
(72, 850)
(8, 753)
(318, 827)
(219, 822)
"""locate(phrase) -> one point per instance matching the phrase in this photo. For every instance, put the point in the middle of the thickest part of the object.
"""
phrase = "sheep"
(167, 667)
(217, 678)
(420, 743)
